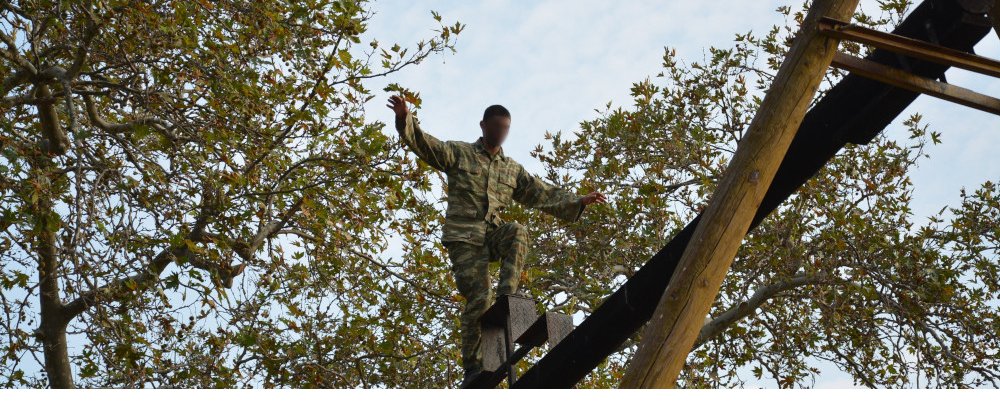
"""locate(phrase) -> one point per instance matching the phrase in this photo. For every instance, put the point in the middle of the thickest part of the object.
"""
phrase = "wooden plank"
(855, 110)
(502, 323)
(550, 327)
(689, 296)
(519, 309)
(994, 15)
(909, 46)
(905, 80)
(493, 347)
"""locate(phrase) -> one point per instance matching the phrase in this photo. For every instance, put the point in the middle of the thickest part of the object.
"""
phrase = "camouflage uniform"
(480, 186)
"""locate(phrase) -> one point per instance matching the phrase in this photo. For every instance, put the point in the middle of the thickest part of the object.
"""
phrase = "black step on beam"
(514, 319)
(855, 110)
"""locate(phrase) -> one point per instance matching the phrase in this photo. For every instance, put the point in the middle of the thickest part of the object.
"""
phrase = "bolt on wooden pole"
(668, 337)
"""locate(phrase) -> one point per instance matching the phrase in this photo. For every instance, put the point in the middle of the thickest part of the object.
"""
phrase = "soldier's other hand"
(398, 106)
(594, 197)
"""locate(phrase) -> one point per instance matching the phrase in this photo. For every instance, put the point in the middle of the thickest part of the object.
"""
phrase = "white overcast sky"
(553, 63)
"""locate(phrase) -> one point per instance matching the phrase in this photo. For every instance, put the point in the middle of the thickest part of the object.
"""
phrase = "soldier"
(482, 181)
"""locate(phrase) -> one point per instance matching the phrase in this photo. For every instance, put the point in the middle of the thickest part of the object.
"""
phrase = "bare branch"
(745, 308)
(160, 125)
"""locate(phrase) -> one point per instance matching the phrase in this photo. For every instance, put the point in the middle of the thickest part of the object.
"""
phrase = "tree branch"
(744, 308)
(160, 125)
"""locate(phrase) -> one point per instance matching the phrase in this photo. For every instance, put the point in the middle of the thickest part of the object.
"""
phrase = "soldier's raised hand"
(593, 197)
(398, 105)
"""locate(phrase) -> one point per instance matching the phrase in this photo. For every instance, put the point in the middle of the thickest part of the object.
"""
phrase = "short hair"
(495, 110)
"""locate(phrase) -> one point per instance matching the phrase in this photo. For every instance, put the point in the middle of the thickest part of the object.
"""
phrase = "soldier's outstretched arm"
(438, 154)
(536, 193)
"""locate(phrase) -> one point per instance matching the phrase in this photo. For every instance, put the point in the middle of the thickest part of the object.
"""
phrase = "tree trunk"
(52, 332)
(680, 313)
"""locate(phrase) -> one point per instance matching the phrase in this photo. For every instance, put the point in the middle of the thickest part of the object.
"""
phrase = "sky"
(553, 63)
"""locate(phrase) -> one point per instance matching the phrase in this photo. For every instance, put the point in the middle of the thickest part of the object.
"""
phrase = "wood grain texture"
(905, 80)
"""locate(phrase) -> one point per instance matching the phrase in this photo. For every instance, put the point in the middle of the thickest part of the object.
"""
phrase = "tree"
(841, 272)
(209, 141)
(193, 195)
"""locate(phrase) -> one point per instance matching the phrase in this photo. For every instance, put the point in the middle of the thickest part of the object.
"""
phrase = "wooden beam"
(680, 313)
(909, 46)
(905, 80)
(994, 15)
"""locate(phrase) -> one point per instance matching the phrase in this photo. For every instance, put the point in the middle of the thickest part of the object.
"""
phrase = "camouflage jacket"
(480, 186)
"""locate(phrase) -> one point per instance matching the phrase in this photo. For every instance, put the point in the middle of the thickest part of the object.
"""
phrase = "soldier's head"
(495, 124)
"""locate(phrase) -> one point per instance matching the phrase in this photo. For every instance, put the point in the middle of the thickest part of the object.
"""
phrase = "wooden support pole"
(680, 313)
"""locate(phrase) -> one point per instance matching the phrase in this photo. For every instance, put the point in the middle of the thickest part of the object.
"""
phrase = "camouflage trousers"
(507, 243)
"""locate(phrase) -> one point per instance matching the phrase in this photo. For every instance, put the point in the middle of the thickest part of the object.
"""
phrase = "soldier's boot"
(470, 376)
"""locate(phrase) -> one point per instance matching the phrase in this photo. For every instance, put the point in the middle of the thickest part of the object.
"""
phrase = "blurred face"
(495, 129)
